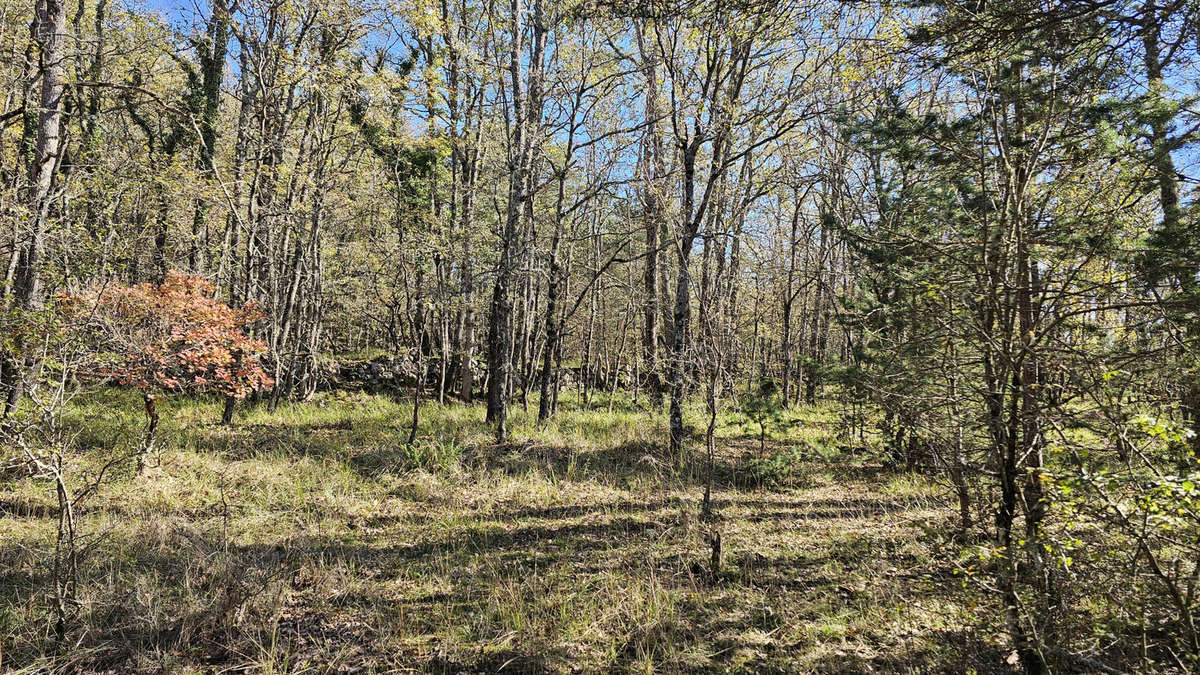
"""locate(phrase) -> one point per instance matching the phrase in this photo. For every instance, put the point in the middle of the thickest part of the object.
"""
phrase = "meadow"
(314, 538)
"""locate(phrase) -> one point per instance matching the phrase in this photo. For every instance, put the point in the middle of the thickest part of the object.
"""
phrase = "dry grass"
(311, 539)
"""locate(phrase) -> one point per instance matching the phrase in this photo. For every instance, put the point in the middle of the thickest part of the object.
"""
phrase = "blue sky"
(176, 12)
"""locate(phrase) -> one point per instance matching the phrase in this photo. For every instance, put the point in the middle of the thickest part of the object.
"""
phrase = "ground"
(312, 538)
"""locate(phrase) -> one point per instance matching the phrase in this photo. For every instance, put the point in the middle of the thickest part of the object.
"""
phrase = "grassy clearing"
(313, 539)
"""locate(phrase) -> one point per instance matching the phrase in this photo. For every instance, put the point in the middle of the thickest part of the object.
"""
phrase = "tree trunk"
(211, 55)
(49, 32)
(683, 309)
(653, 218)
(500, 356)
(1166, 175)
(150, 403)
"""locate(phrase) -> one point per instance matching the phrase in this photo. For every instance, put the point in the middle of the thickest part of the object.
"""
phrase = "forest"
(566, 336)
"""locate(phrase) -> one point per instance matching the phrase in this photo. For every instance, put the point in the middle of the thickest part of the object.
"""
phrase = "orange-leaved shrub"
(170, 337)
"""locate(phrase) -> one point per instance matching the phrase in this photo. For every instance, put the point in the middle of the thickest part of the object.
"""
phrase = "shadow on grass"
(237, 592)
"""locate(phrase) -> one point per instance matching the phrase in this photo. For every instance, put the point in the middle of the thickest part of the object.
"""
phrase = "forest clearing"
(314, 539)
(557, 336)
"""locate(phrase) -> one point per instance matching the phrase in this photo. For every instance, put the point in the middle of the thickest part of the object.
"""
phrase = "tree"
(525, 95)
(170, 337)
(43, 120)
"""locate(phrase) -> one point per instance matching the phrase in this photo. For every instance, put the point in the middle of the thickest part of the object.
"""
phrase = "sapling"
(762, 405)
(170, 337)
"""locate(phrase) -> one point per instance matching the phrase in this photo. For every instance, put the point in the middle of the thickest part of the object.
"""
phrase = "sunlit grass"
(315, 533)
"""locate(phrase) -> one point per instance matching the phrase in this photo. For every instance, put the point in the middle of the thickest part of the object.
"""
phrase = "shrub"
(169, 337)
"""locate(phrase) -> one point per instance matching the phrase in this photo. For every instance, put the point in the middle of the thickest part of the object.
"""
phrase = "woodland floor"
(313, 539)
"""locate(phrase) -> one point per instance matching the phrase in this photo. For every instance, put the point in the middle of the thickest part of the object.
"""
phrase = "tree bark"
(48, 32)
(210, 53)
(500, 356)
(653, 218)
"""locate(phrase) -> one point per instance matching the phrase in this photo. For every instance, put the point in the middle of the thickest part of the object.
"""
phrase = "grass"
(312, 538)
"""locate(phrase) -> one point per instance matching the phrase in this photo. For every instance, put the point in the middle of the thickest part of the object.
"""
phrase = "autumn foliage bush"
(170, 337)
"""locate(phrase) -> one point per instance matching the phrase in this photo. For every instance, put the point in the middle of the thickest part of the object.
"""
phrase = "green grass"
(313, 537)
